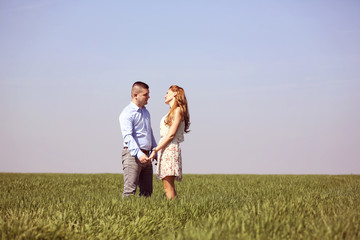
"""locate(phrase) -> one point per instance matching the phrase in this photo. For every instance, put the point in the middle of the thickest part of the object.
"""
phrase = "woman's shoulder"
(179, 113)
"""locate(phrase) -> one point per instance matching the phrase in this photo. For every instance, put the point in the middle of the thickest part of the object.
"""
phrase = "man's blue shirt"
(136, 129)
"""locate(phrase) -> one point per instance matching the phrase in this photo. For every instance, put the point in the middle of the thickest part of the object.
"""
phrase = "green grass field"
(90, 206)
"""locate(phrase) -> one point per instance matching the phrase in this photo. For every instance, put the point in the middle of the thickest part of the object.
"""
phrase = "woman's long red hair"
(180, 101)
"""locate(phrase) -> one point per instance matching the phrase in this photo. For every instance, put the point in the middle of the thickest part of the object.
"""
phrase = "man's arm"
(153, 141)
(127, 130)
(153, 145)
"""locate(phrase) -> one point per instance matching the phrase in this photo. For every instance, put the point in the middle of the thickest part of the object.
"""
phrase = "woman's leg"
(169, 186)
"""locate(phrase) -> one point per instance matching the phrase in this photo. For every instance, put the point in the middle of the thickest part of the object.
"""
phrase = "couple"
(140, 146)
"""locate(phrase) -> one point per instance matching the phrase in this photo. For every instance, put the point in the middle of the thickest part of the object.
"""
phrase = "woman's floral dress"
(169, 158)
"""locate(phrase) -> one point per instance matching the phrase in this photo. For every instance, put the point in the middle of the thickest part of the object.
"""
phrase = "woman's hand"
(153, 154)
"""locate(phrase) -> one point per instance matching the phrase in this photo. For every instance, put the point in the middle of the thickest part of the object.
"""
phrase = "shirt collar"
(134, 106)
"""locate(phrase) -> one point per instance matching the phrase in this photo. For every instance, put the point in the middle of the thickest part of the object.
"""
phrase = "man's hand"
(144, 159)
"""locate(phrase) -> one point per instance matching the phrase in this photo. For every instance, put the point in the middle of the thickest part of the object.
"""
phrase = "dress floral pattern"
(169, 159)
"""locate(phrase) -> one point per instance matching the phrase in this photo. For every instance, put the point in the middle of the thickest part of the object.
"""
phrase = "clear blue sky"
(273, 86)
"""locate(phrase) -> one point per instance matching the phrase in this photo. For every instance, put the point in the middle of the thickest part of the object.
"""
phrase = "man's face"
(143, 97)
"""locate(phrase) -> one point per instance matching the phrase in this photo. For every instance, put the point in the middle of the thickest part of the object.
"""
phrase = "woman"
(172, 128)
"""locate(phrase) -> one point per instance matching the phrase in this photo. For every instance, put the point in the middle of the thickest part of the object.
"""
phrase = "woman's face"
(169, 96)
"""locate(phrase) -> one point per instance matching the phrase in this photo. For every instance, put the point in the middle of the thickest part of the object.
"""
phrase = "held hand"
(152, 155)
(144, 159)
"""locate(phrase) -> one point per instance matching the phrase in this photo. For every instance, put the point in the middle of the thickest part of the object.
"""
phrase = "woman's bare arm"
(171, 133)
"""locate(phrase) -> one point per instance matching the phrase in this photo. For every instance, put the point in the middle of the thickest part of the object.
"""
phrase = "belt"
(147, 152)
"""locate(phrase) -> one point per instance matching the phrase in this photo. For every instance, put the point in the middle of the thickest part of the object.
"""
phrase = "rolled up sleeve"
(127, 133)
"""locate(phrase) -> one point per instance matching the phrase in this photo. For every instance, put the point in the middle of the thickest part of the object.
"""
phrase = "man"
(138, 141)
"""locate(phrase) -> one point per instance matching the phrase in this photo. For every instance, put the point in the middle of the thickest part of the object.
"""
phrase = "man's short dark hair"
(141, 84)
(137, 86)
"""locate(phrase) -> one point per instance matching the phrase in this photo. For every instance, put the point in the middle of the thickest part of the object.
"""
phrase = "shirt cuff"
(139, 154)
